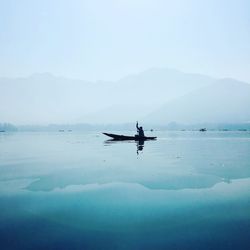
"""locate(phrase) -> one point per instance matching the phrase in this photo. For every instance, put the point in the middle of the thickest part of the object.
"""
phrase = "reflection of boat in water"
(139, 143)
(126, 137)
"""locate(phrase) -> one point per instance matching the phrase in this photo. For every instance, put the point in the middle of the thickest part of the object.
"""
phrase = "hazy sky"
(107, 39)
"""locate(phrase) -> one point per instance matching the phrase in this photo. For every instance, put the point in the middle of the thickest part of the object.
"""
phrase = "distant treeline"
(77, 127)
(5, 127)
(208, 126)
(131, 127)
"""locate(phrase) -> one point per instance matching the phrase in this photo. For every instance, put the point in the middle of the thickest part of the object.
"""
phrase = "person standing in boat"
(139, 130)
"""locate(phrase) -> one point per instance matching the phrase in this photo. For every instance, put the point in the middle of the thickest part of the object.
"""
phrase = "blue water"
(186, 190)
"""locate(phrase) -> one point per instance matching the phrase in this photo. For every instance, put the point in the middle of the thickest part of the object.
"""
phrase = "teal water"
(186, 190)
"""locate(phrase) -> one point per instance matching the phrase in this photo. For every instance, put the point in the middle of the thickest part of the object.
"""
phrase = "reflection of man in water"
(140, 145)
(139, 130)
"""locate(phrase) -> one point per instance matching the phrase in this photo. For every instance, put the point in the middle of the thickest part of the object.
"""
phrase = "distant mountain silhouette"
(45, 98)
(226, 100)
(137, 95)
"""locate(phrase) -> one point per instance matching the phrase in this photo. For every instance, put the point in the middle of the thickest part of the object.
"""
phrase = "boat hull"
(126, 137)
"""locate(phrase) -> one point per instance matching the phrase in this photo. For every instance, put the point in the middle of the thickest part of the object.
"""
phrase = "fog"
(155, 96)
(122, 61)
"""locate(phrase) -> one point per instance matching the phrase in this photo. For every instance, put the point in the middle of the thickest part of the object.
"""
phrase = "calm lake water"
(186, 190)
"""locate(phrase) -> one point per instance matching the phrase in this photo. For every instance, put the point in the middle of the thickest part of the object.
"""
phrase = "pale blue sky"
(107, 39)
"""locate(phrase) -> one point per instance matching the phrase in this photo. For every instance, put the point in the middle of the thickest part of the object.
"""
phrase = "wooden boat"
(203, 129)
(126, 137)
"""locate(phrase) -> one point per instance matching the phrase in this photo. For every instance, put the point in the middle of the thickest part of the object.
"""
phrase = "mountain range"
(224, 101)
(153, 96)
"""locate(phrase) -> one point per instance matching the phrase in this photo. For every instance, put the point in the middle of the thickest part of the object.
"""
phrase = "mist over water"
(72, 70)
(186, 190)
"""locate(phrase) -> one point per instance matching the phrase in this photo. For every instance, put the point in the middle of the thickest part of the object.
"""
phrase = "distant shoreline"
(8, 127)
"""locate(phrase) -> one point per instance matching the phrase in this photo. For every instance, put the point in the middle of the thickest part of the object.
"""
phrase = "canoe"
(126, 137)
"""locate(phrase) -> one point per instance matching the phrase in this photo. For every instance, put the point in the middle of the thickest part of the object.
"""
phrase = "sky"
(106, 40)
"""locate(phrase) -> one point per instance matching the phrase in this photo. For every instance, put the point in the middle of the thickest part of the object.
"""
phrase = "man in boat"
(139, 130)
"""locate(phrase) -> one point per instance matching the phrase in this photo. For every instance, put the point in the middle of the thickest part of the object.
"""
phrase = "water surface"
(186, 190)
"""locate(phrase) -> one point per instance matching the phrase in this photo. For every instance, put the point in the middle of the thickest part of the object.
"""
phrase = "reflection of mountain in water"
(78, 177)
(180, 160)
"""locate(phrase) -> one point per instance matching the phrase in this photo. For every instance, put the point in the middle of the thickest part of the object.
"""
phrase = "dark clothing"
(139, 130)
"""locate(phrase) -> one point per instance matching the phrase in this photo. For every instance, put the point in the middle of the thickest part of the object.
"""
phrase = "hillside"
(226, 100)
(45, 98)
